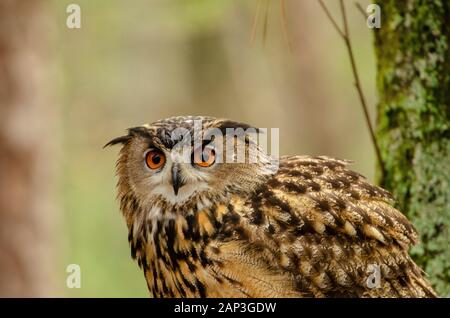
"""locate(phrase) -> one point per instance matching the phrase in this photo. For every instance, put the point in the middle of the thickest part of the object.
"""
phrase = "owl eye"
(205, 158)
(155, 159)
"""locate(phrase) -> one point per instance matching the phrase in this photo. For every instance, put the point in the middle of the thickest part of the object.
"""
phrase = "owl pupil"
(156, 159)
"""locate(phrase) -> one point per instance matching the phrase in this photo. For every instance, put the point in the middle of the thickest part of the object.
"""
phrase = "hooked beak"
(176, 178)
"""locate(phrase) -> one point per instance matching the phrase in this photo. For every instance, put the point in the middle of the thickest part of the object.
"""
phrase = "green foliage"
(413, 51)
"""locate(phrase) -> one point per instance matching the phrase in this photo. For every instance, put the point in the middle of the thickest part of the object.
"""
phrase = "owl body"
(309, 228)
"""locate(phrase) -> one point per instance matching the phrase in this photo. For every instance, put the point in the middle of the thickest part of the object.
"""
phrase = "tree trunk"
(25, 156)
(413, 57)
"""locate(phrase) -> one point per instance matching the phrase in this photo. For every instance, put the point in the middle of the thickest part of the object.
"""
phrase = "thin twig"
(359, 87)
(330, 17)
(361, 9)
(284, 24)
(255, 22)
(346, 36)
(266, 21)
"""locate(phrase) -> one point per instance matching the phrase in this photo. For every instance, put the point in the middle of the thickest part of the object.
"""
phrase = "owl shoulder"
(320, 195)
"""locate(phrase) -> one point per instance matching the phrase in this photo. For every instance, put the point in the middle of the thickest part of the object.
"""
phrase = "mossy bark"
(413, 129)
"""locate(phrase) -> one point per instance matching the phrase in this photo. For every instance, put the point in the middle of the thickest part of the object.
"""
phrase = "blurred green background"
(137, 61)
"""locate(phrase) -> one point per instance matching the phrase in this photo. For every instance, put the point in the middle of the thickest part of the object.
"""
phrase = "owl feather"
(311, 228)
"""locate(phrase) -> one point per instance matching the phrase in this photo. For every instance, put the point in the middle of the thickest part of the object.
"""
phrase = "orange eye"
(205, 158)
(155, 159)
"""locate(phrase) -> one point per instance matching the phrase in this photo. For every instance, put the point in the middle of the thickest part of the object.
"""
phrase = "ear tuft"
(118, 140)
(132, 132)
(224, 124)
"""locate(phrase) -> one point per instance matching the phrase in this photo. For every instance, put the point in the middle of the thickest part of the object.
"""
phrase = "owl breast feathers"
(311, 228)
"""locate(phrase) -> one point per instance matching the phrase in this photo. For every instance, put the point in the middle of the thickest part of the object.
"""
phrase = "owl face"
(156, 170)
(172, 163)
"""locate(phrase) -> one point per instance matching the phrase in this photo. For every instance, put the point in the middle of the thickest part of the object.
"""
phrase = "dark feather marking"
(157, 245)
(381, 214)
(130, 233)
(134, 204)
(188, 284)
(143, 236)
(270, 229)
(165, 289)
(302, 285)
(303, 229)
(353, 175)
(273, 183)
(223, 125)
(318, 170)
(340, 203)
(232, 281)
(314, 186)
(355, 195)
(225, 234)
(192, 231)
(294, 187)
(342, 180)
(231, 217)
(155, 279)
(170, 234)
(370, 189)
(297, 173)
(282, 225)
(201, 288)
(194, 253)
(277, 202)
(295, 164)
(164, 135)
(212, 218)
(257, 215)
(138, 246)
(191, 265)
(242, 234)
(322, 204)
(332, 165)
(204, 260)
(181, 290)
(145, 265)
(215, 250)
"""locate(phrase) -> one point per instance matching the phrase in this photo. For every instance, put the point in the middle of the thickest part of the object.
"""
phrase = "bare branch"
(330, 17)
(255, 22)
(361, 9)
(284, 24)
(346, 37)
(359, 87)
(266, 21)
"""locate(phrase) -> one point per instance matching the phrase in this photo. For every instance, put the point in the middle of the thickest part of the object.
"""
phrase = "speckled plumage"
(311, 229)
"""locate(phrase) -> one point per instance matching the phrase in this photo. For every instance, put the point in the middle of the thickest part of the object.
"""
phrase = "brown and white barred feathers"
(311, 229)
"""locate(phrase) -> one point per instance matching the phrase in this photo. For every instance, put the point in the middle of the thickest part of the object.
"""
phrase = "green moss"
(413, 82)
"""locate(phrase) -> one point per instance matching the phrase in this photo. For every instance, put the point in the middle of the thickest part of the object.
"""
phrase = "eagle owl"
(209, 227)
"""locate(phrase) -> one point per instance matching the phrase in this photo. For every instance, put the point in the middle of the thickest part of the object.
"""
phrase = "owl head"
(183, 160)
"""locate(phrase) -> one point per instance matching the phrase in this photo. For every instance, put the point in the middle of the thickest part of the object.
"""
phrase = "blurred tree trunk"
(413, 53)
(25, 158)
